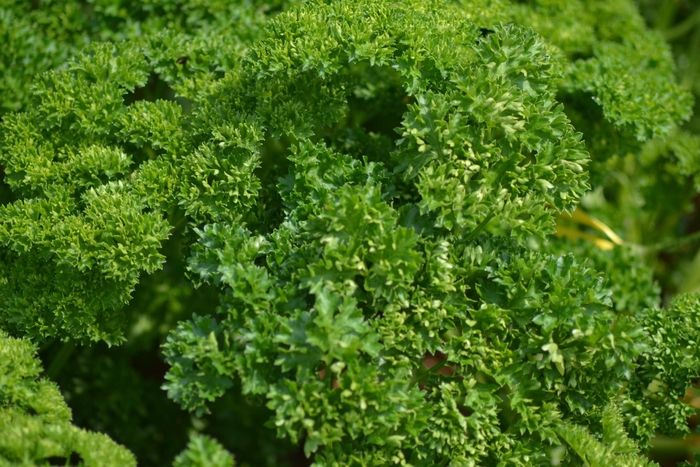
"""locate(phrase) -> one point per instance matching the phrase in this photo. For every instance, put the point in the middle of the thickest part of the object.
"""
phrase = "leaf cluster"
(370, 187)
(35, 422)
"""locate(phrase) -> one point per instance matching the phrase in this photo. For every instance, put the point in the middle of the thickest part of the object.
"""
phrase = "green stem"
(423, 375)
(683, 28)
(474, 233)
(665, 14)
(60, 359)
(177, 219)
(691, 72)
(672, 244)
(662, 446)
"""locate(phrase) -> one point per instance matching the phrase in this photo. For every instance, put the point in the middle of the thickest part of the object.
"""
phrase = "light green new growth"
(372, 187)
(382, 260)
(203, 451)
(35, 422)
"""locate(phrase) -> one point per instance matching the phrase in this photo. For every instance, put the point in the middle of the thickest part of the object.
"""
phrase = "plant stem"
(474, 233)
(663, 446)
(60, 359)
(422, 376)
(691, 72)
(672, 244)
(665, 14)
(682, 28)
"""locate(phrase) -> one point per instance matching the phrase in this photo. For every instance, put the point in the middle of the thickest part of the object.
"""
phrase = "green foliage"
(86, 221)
(377, 264)
(632, 288)
(627, 69)
(615, 448)
(41, 36)
(202, 451)
(199, 368)
(371, 188)
(666, 370)
(35, 422)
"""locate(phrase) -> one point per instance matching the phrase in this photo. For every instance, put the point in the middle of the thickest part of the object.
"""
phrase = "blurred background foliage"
(677, 267)
(646, 196)
(115, 389)
(679, 23)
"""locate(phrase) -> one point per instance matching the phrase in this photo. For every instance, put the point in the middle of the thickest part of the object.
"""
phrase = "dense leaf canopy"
(371, 189)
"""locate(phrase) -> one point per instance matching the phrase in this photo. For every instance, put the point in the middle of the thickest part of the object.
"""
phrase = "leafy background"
(679, 271)
(117, 389)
